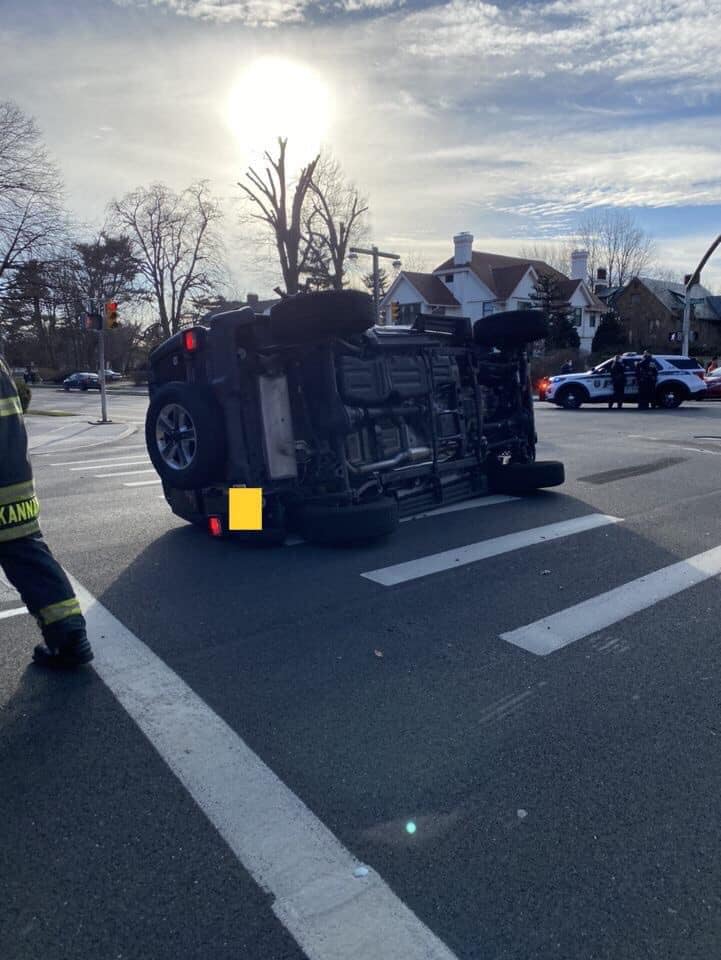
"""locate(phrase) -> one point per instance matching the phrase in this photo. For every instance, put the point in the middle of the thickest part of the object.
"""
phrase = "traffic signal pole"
(99, 320)
(691, 281)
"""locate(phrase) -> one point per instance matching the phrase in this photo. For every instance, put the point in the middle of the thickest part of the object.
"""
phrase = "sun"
(276, 97)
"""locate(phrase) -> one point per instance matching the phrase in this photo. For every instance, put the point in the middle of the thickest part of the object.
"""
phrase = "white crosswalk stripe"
(472, 553)
(122, 473)
(101, 464)
(583, 619)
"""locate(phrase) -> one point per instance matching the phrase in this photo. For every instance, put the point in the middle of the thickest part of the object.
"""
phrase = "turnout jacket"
(19, 507)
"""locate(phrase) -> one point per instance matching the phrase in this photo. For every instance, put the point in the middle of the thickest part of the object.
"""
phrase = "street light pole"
(693, 279)
(376, 254)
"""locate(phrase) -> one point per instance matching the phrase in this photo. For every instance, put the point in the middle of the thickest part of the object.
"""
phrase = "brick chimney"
(463, 247)
(579, 264)
(252, 300)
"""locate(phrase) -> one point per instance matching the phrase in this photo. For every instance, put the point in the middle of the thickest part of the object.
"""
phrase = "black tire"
(83, 386)
(185, 435)
(66, 388)
(313, 316)
(571, 397)
(325, 524)
(522, 478)
(515, 328)
(670, 396)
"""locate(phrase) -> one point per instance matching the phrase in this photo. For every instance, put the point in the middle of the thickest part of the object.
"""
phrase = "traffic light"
(395, 311)
(111, 315)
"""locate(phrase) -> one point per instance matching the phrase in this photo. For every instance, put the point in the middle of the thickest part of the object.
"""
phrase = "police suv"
(679, 379)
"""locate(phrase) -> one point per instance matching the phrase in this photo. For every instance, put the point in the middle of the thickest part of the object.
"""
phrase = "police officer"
(24, 556)
(618, 379)
(647, 375)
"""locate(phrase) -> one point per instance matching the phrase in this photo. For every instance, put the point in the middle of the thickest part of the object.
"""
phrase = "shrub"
(25, 393)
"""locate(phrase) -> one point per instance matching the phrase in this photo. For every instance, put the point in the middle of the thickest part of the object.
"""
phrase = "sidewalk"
(46, 435)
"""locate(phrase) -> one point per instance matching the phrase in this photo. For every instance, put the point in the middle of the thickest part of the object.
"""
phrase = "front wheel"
(572, 398)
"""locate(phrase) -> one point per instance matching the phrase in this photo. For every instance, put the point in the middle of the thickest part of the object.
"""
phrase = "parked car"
(713, 385)
(112, 375)
(679, 379)
(82, 381)
(346, 427)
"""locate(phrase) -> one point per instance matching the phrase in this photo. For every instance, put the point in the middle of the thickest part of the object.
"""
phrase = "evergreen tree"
(546, 296)
(610, 337)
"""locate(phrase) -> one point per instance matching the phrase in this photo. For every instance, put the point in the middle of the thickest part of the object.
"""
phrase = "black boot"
(73, 650)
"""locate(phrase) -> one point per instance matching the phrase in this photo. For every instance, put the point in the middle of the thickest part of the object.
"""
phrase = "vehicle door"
(599, 384)
(629, 365)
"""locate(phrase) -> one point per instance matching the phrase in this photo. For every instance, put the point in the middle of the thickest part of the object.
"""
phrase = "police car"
(679, 379)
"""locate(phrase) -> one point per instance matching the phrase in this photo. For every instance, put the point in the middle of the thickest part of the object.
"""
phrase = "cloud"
(627, 40)
(264, 13)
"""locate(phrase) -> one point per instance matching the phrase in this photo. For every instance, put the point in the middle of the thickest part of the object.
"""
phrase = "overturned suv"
(345, 426)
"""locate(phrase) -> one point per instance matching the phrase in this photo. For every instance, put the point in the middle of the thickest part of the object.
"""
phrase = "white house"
(474, 284)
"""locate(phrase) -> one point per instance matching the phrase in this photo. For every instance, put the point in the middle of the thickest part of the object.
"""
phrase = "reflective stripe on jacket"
(18, 504)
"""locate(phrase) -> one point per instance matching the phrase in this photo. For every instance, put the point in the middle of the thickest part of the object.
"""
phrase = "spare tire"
(313, 316)
(323, 523)
(185, 435)
(515, 328)
(522, 478)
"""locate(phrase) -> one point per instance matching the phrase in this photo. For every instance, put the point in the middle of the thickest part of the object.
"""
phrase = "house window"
(448, 278)
(524, 304)
(592, 320)
(489, 307)
(635, 299)
(577, 316)
(408, 313)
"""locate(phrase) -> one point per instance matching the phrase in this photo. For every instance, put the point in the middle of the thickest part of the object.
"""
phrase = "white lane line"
(94, 461)
(465, 505)
(144, 483)
(331, 914)
(18, 611)
(123, 473)
(102, 465)
(451, 559)
(581, 620)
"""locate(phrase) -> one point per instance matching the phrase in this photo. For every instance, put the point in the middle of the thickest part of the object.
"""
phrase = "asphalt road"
(564, 805)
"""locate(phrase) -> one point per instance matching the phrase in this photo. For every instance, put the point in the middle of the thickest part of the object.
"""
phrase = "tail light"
(190, 341)
(215, 526)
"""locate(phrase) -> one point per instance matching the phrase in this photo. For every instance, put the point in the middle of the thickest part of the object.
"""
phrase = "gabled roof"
(506, 279)
(672, 296)
(433, 290)
(487, 265)
(567, 288)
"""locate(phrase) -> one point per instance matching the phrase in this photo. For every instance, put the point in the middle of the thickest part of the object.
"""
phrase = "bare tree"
(556, 255)
(173, 236)
(335, 219)
(269, 194)
(31, 216)
(616, 242)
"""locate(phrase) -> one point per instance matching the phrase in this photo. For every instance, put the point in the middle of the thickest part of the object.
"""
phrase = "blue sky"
(510, 120)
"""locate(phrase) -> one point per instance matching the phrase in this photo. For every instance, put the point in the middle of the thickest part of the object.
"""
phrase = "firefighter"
(646, 374)
(24, 556)
(618, 379)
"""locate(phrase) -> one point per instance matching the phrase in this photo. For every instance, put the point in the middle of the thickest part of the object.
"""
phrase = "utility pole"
(690, 281)
(377, 255)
